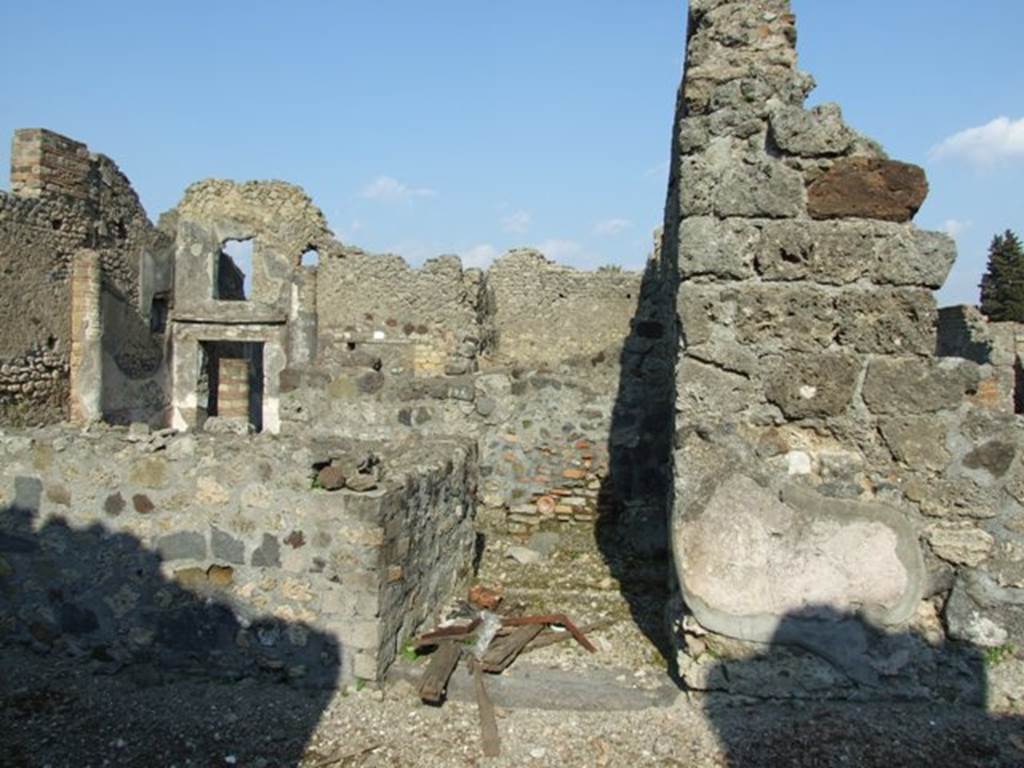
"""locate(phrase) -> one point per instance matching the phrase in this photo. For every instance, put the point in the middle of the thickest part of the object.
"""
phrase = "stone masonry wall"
(63, 199)
(429, 320)
(840, 492)
(545, 312)
(217, 555)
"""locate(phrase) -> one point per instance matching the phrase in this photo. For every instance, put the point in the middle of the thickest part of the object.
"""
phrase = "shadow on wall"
(923, 705)
(116, 663)
(638, 494)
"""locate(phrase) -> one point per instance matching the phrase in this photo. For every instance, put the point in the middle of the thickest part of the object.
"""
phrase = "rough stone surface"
(807, 370)
(868, 188)
(748, 559)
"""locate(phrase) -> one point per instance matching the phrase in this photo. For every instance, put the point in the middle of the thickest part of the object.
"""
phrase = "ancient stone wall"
(429, 320)
(964, 332)
(545, 313)
(217, 554)
(63, 199)
(838, 489)
(279, 219)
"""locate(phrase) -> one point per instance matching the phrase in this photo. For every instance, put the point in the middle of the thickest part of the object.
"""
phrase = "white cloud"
(658, 171)
(388, 188)
(612, 227)
(516, 222)
(954, 227)
(479, 256)
(1001, 139)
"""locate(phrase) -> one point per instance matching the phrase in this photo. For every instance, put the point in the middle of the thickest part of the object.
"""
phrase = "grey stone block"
(184, 545)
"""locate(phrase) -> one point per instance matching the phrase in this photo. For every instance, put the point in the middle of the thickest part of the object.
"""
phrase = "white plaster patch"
(379, 335)
(808, 392)
(799, 463)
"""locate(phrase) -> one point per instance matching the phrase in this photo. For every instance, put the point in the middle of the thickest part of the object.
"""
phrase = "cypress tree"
(1002, 285)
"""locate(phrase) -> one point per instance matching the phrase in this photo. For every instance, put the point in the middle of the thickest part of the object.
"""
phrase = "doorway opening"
(230, 382)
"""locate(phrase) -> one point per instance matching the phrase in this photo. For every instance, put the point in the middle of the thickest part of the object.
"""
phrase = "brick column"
(86, 338)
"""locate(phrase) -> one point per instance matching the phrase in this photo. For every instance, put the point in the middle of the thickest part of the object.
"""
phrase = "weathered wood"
(442, 664)
(503, 651)
(552, 618)
(488, 721)
(550, 637)
(444, 633)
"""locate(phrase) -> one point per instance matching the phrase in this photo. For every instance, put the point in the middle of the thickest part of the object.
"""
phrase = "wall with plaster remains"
(62, 198)
(838, 488)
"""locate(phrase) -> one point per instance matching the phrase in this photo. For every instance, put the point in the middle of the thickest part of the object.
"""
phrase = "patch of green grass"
(409, 652)
(994, 656)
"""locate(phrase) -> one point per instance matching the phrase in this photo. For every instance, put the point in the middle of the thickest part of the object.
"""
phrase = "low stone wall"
(966, 333)
(217, 555)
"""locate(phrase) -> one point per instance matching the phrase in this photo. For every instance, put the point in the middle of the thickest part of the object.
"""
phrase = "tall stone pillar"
(86, 375)
(814, 432)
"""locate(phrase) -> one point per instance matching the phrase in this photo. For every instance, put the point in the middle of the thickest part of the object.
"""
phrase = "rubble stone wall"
(838, 488)
(63, 199)
(216, 555)
(429, 320)
(545, 313)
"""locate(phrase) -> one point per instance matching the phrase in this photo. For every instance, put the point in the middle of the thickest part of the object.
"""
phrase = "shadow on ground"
(892, 700)
(211, 679)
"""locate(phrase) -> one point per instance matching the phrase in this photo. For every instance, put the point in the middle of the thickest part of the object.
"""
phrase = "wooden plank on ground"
(488, 721)
(442, 664)
(549, 637)
(503, 651)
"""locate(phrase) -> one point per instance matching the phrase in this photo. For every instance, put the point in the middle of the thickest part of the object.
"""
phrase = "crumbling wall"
(428, 321)
(279, 218)
(545, 313)
(217, 554)
(63, 199)
(964, 332)
(838, 488)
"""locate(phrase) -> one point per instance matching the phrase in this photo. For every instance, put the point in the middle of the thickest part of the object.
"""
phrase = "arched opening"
(310, 258)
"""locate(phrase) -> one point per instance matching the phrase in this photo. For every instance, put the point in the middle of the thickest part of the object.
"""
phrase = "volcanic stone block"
(184, 545)
(914, 385)
(869, 188)
(749, 559)
(765, 189)
(799, 318)
(815, 133)
(888, 321)
(808, 386)
(917, 441)
(708, 390)
(708, 246)
(842, 252)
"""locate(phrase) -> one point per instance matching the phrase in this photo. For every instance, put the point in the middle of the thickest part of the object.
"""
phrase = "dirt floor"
(69, 713)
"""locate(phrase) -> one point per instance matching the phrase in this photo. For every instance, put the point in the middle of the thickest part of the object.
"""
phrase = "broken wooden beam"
(504, 650)
(552, 618)
(488, 721)
(442, 664)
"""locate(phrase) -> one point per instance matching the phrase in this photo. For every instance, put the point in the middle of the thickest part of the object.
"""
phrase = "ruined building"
(774, 403)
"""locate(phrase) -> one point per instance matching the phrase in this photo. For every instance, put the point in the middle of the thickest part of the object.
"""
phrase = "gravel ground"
(64, 715)
(56, 712)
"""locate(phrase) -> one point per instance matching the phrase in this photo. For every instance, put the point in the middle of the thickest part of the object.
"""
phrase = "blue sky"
(470, 127)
